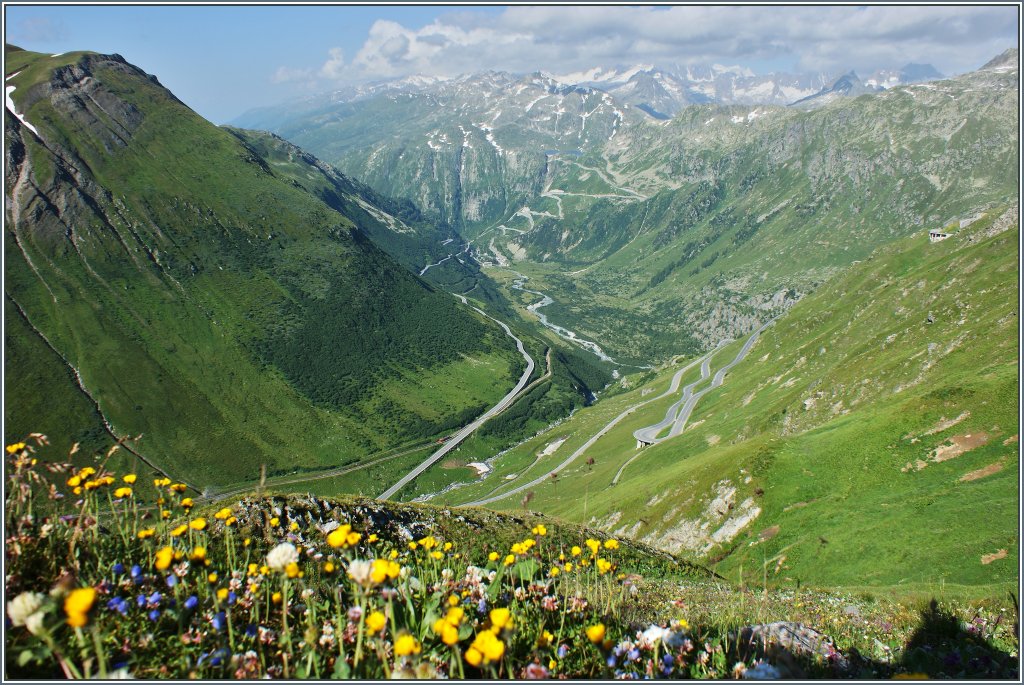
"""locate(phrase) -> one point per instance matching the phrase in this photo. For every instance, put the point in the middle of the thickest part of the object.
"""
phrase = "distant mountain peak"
(1007, 60)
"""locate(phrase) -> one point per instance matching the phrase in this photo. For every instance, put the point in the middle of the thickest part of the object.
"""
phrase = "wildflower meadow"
(119, 575)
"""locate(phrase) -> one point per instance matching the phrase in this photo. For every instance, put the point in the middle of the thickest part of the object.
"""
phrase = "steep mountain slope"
(467, 150)
(659, 237)
(702, 228)
(870, 438)
(203, 299)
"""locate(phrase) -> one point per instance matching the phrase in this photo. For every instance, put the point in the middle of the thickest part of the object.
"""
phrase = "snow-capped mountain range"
(658, 92)
(662, 92)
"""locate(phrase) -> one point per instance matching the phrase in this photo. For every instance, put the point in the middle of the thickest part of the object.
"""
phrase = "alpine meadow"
(495, 349)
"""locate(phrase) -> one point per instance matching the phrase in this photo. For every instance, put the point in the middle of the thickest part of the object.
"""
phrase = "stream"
(560, 331)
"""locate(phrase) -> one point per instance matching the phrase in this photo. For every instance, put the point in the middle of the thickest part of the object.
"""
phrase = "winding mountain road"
(679, 423)
(467, 430)
(650, 433)
(673, 387)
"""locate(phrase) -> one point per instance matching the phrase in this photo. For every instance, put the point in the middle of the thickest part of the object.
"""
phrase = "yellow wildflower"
(291, 570)
(603, 566)
(198, 553)
(187, 503)
(447, 546)
(545, 639)
(130, 478)
(180, 530)
(373, 538)
(576, 551)
(594, 546)
(146, 533)
(212, 578)
(554, 571)
(568, 567)
(78, 604)
(375, 622)
(197, 524)
(449, 634)
(485, 645)
(274, 521)
(501, 618)
(406, 644)
(493, 556)
(453, 601)
(86, 472)
(276, 598)
(222, 594)
(123, 492)
(165, 514)
(15, 447)
(353, 538)
(540, 529)
(163, 558)
(74, 481)
(293, 526)
(179, 487)
(509, 560)
(339, 536)
(611, 544)
(222, 514)
(595, 633)
(231, 520)
(329, 567)
(437, 555)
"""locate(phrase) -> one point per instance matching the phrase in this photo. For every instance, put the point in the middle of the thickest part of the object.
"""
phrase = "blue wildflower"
(250, 630)
(481, 608)
(611, 661)
(137, 573)
(219, 621)
(191, 603)
(232, 598)
(141, 600)
(172, 580)
(668, 659)
(154, 615)
(154, 598)
(562, 651)
(118, 568)
(634, 654)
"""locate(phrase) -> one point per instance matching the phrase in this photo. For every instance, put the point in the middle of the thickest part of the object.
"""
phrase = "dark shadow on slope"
(941, 647)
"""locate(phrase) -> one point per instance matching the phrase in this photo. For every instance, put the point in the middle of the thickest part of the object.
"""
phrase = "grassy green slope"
(230, 317)
(814, 432)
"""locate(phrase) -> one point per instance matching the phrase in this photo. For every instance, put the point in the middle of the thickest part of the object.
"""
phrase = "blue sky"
(223, 60)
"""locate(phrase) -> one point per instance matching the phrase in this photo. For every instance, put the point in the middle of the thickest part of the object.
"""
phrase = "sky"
(225, 60)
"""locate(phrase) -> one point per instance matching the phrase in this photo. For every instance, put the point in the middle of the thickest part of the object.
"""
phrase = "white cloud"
(334, 67)
(566, 38)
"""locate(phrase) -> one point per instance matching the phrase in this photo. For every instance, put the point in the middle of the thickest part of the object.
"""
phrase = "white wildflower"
(23, 606)
(361, 571)
(282, 555)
